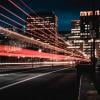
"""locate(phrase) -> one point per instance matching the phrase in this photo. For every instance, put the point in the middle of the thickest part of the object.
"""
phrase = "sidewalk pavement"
(87, 89)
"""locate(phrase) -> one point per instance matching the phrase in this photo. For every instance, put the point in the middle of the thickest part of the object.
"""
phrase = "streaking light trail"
(31, 16)
(36, 34)
(28, 40)
(26, 53)
(20, 52)
(10, 19)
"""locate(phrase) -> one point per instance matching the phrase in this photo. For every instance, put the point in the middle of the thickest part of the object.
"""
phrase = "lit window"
(90, 13)
(83, 13)
(86, 13)
(97, 12)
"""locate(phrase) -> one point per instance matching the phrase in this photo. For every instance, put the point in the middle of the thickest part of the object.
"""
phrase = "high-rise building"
(90, 24)
(81, 35)
(90, 28)
(42, 26)
(75, 27)
(74, 38)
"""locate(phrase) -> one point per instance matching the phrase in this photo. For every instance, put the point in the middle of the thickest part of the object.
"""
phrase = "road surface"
(46, 84)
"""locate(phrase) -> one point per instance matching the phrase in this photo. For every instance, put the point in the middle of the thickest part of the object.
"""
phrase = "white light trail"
(45, 45)
(35, 35)
(11, 19)
(12, 13)
(44, 37)
(27, 14)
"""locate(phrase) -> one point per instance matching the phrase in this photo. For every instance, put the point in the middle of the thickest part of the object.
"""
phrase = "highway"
(56, 83)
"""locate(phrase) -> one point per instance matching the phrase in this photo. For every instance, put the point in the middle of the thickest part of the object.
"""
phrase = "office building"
(42, 26)
(90, 24)
(90, 28)
(81, 38)
(74, 37)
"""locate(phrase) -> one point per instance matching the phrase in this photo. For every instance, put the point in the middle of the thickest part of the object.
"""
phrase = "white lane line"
(1, 75)
(4, 74)
(9, 85)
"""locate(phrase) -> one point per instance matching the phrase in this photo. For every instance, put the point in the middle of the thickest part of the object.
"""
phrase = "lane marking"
(4, 74)
(9, 85)
(1, 75)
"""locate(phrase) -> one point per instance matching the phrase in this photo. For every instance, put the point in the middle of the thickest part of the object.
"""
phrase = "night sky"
(66, 10)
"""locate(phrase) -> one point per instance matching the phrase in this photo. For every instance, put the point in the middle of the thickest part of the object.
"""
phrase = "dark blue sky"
(66, 10)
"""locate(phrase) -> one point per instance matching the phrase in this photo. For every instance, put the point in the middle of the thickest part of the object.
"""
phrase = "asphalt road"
(60, 84)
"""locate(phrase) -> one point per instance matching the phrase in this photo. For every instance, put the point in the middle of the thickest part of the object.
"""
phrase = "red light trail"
(24, 21)
(29, 40)
(32, 41)
(20, 52)
(65, 49)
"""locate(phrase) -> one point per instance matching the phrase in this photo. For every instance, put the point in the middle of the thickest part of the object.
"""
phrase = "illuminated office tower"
(81, 39)
(90, 28)
(75, 28)
(90, 24)
(74, 37)
(42, 26)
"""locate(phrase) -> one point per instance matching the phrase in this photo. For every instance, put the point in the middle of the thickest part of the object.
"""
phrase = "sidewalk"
(87, 90)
